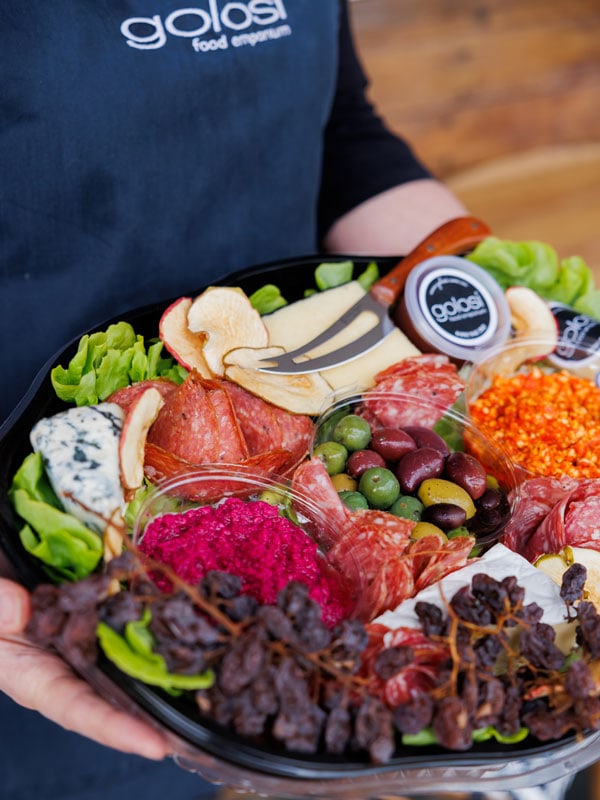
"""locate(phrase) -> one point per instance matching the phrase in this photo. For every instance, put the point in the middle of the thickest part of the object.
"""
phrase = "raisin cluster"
(282, 677)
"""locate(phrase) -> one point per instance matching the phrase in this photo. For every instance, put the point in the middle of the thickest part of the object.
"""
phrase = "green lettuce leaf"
(267, 298)
(67, 548)
(132, 653)
(537, 266)
(109, 360)
(334, 273)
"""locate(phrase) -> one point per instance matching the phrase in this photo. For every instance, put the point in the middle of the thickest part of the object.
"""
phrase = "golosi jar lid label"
(458, 307)
(452, 306)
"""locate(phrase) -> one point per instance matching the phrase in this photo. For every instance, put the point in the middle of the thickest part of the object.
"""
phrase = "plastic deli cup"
(232, 520)
(400, 431)
(452, 306)
(541, 403)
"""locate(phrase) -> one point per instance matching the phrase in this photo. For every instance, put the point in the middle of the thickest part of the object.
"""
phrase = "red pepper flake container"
(547, 421)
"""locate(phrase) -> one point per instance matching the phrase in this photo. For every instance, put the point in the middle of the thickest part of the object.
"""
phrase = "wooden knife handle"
(456, 236)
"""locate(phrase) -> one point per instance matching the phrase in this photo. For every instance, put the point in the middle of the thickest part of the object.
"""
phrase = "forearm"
(393, 222)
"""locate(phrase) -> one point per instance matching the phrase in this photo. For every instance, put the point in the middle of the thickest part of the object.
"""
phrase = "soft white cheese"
(80, 450)
(499, 562)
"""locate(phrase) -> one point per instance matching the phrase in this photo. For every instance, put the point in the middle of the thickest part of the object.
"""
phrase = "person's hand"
(42, 681)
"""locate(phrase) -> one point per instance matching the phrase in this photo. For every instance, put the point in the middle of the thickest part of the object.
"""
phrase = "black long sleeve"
(361, 157)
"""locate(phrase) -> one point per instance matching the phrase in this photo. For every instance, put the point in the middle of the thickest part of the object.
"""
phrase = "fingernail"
(10, 611)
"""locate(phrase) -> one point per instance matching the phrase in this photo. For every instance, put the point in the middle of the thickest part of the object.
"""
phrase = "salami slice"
(311, 480)
(257, 420)
(433, 560)
(573, 520)
(126, 396)
(373, 548)
(187, 425)
(537, 497)
(231, 444)
(268, 427)
(432, 378)
(415, 678)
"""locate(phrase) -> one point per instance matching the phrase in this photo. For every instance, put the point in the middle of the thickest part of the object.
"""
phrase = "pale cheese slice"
(298, 323)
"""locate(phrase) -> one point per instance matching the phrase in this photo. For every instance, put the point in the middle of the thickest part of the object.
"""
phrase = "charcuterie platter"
(383, 488)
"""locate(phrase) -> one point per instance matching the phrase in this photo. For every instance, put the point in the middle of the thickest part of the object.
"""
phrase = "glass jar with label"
(452, 306)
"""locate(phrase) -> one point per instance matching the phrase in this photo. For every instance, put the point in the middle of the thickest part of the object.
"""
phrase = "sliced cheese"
(296, 324)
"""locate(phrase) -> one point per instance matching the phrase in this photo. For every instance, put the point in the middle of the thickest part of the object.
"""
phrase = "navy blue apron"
(146, 149)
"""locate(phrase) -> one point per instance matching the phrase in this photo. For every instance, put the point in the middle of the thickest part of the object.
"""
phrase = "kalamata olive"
(439, 490)
(362, 460)
(425, 437)
(493, 510)
(466, 471)
(423, 529)
(490, 499)
(417, 466)
(446, 516)
(392, 443)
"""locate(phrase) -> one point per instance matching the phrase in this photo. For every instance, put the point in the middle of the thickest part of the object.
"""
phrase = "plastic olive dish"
(398, 453)
(540, 402)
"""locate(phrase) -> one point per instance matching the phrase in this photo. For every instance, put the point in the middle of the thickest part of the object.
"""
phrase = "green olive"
(353, 500)
(408, 507)
(438, 490)
(333, 455)
(380, 486)
(353, 432)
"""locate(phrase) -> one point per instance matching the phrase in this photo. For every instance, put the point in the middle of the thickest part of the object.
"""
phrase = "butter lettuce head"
(537, 265)
(109, 360)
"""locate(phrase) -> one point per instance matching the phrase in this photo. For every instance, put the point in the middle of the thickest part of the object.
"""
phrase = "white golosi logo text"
(150, 33)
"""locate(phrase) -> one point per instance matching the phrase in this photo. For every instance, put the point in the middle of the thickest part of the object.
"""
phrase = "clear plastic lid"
(454, 307)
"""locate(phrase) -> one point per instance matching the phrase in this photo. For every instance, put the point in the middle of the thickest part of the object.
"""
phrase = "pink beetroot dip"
(249, 539)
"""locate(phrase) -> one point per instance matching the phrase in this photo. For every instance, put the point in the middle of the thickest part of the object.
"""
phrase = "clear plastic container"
(460, 434)
(531, 356)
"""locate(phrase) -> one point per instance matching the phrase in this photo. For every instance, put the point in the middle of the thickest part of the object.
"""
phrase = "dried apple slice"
(228, 319)
(531, 317)
(185, 346)
(132, 443)
(301, 393)
(533, 323)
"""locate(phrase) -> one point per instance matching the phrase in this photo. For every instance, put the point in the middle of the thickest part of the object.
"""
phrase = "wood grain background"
(501, 98)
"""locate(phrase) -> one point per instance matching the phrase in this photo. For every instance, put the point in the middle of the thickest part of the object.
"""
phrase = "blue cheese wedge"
(80, 450)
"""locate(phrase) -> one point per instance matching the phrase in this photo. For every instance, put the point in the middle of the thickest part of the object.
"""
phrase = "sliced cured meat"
(268, 427)
(126, 396)
(415, 678)
(187, 425)
(161, 465)
(297, 431)
(433, 559)
(373, 548)
(257, 420)
(231, 444)
(311, 480)
(536, 499)
(573, 520)
(431, 378)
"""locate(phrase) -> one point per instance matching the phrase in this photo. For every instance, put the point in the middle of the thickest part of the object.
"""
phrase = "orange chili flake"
(548, 422)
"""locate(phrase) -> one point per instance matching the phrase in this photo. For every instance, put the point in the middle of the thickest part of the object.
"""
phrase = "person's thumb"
(14, 607)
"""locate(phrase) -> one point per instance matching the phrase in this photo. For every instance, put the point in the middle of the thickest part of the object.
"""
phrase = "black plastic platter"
(218, 754)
